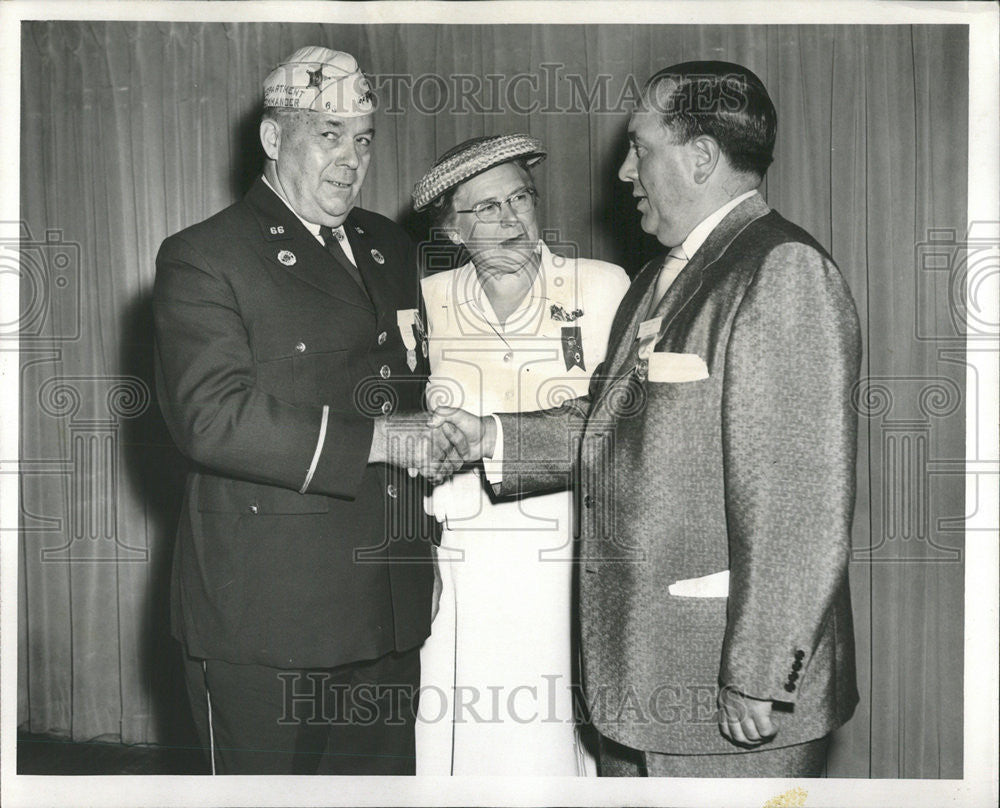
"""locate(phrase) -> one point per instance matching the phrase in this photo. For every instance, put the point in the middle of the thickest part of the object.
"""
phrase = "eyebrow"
(524, 187)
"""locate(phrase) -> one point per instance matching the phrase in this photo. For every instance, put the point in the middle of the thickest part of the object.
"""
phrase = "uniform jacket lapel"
(309, 261)
(379, 282)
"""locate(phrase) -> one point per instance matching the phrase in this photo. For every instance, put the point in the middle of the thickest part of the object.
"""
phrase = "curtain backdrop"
(132, 131)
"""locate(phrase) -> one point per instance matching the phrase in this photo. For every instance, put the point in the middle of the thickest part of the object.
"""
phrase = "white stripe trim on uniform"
(319, 449)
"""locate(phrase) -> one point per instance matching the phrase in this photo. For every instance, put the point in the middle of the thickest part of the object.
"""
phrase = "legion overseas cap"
(474, 157)
(321, 80)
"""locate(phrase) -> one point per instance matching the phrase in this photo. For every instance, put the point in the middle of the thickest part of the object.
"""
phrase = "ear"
(270, 138)
(704, 153)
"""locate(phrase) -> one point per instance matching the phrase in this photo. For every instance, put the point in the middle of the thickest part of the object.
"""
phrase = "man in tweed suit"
(714, 460)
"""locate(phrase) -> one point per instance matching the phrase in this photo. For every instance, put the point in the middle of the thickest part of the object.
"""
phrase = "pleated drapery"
(132, 131)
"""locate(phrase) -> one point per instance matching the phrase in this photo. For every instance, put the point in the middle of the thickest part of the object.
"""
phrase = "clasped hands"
(435, 445)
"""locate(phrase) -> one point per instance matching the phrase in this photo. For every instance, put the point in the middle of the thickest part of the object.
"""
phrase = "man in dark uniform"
(287, 363)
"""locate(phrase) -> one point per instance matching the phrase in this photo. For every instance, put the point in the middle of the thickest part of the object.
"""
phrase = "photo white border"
(978, 788)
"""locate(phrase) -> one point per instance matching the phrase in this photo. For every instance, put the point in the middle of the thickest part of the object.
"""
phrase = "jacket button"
(382, 338)
(797, 665)
(254, 508)
(800, 654)
(386, 407)
(789, 687)
(391, 491)
(384, 371)
(508, 356)
(588, 501)
(793, 676)
(300, 347)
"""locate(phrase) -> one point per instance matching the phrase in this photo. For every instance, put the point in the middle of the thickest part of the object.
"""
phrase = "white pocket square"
(715, 585)
(676, 367)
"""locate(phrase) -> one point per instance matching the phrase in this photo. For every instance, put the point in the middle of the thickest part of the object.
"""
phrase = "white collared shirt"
(314, 228)
(704, 228)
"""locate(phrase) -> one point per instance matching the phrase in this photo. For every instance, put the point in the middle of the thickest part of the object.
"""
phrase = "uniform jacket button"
(391, 491)
(254, 508)
(386, 407)
(300, 347)
(588, 501)
(382, 338)
(384, 371)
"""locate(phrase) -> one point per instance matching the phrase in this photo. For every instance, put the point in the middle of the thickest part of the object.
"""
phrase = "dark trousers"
(799, 760)
(352, 719)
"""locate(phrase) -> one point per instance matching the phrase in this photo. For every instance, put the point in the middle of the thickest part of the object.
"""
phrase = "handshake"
(435, 445)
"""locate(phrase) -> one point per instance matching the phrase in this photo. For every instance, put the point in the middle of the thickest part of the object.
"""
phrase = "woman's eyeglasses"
(520, 202)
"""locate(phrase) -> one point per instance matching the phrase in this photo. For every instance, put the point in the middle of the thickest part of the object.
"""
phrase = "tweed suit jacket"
(271, 359)
(749, 469)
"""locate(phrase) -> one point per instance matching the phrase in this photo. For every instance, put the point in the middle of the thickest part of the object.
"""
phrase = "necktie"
(333, 247)
(675, 261)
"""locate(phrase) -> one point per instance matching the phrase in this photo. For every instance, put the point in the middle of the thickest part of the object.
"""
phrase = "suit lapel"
(289, 245)
(682, 291)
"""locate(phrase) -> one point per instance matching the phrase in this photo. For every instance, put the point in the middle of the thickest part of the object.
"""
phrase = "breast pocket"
(306, 372)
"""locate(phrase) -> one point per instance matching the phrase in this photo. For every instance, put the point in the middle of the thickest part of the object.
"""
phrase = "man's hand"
(479, 434)
(411, 441)
(745, 721)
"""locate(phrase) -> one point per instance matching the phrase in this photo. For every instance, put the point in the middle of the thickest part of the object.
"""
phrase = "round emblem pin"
(379, 258)
(287, 257)
(358, 230)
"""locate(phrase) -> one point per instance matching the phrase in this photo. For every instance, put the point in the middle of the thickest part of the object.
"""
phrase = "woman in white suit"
(516, 328)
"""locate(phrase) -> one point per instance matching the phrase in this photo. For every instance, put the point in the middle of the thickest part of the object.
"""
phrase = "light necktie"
(333, 247)
(675, 261)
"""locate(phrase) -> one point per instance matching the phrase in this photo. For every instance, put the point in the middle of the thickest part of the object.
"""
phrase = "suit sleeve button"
(797, 665)
(793, 676)
(800, 654)
(789, 687)
(300, 347)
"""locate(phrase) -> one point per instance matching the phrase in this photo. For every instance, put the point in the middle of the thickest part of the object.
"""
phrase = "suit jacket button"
(382, 338)
(384, 371)
(391, 491)
(300, 347)
(588, 501)
(789, 687)
(254, 508)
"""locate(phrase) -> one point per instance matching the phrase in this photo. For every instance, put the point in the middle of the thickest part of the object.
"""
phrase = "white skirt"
(496, 693)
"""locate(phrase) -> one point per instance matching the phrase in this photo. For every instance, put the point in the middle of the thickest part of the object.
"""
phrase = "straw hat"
(471, 158)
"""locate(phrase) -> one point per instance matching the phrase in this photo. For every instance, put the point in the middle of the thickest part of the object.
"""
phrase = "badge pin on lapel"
(379, 258)
(287, 257)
